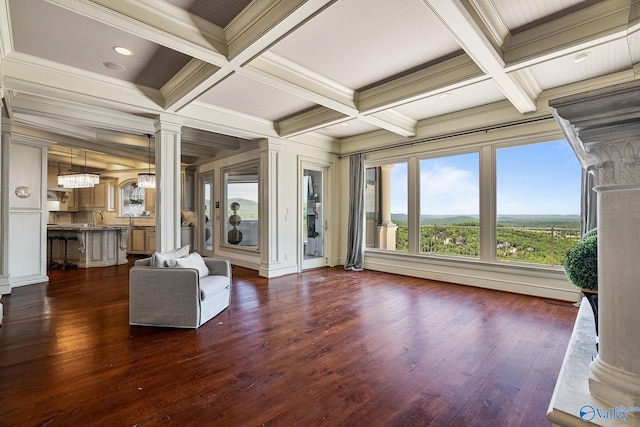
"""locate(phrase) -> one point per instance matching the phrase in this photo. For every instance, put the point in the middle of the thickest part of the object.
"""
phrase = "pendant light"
(147, 179)
(78, 179)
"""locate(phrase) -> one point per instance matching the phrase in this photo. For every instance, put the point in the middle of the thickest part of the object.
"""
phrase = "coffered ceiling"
(315, 71)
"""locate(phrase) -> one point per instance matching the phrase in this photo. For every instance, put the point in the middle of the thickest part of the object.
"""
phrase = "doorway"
(314, 220)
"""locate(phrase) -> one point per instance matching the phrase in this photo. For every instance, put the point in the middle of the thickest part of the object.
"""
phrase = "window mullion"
(414, 205)
(488, 204)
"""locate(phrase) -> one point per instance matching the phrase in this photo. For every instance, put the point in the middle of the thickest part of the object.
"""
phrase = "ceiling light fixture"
(78, 179)
(580, 57)
(445, 95)
(147, 179)
(123, 50)
(113, 66)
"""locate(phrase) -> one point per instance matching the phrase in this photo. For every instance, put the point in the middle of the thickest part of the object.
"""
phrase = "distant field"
(538, 239)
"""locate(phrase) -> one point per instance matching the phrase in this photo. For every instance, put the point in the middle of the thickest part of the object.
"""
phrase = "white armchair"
(178, 297)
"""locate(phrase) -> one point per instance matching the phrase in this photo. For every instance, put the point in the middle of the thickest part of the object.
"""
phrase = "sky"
(536, 179)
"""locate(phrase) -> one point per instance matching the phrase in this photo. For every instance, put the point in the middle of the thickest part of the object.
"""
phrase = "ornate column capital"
(616, 164)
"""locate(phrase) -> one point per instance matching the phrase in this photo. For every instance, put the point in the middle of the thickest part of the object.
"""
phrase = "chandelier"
(78, 179)
(147, 179)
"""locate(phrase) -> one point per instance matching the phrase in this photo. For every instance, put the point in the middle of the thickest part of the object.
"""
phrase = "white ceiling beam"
(290, 77)
(258, 28)
(477, 45)
(158, 22)
(28, 74)
(316, 118)
(392, 121)
(598, 24)
(442, 77)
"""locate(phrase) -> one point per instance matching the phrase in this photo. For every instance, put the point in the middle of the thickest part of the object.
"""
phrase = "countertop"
(84, 227)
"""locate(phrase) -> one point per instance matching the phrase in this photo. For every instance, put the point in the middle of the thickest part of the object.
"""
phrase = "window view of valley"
(539, 239)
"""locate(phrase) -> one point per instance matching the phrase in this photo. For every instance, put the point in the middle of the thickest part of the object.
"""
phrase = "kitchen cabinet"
(150, 199)
(100, 197)
(136, 240)
(68, 200)
(141, 240)
(150, 243)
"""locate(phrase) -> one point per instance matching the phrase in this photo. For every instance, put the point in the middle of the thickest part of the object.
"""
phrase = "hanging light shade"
(78, 179)
(147, 179)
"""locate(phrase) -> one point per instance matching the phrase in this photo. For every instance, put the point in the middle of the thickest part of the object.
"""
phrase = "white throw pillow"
(159, 259)
(193, 260)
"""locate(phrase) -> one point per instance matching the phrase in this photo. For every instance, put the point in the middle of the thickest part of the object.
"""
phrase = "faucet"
(93, 217)
(130, 218)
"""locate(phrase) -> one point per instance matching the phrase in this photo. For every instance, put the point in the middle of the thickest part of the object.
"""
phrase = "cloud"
(447, 190)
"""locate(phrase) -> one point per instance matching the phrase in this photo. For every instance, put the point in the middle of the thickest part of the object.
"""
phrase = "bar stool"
(65, 263)
(52, 264)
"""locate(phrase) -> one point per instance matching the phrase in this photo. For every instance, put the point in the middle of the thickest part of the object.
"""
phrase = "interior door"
(206, 221)
(314, 221)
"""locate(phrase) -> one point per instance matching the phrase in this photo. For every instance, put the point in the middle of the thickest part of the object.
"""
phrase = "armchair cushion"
(211, 285)
(159, 259)
(193, 260)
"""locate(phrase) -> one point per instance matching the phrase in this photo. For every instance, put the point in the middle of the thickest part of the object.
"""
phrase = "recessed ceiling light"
(113, 66)
(123, 50)
(580, 57)
(445, 95)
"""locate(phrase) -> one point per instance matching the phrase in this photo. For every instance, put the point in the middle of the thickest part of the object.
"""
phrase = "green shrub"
(581, 262)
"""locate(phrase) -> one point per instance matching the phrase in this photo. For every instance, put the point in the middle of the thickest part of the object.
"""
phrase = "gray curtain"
(588, 203)
(355, 231)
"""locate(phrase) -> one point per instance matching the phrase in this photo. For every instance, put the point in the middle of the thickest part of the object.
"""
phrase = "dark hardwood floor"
(327, 347)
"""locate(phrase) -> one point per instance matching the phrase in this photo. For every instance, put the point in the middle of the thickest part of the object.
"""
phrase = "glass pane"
(241, 194)
(450, 205)
(132, 200)
(386, 205)
(208, 219)
(538, 202)
(313, 214)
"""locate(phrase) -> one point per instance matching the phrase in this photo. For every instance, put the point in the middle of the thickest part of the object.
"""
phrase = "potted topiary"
(581, 267)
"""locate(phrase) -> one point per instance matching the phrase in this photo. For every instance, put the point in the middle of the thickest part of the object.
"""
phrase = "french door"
(314, 219)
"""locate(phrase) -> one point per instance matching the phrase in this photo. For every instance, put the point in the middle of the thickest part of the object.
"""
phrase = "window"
(538, 202)
(132, 199)
(523, 208)
(386, 206)
(450, 205)
(241, 206)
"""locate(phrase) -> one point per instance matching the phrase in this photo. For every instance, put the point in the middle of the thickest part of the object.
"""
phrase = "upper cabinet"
(99, 197)
(188, 177)
(150, 199)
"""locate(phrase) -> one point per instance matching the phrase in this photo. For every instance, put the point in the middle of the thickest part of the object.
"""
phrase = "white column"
(268, 207)
(167, 157)
(603, 128)
(615, 373)
(5, 286)
(387, 230)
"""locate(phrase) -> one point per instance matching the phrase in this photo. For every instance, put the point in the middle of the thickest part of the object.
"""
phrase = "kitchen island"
(85, 245)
